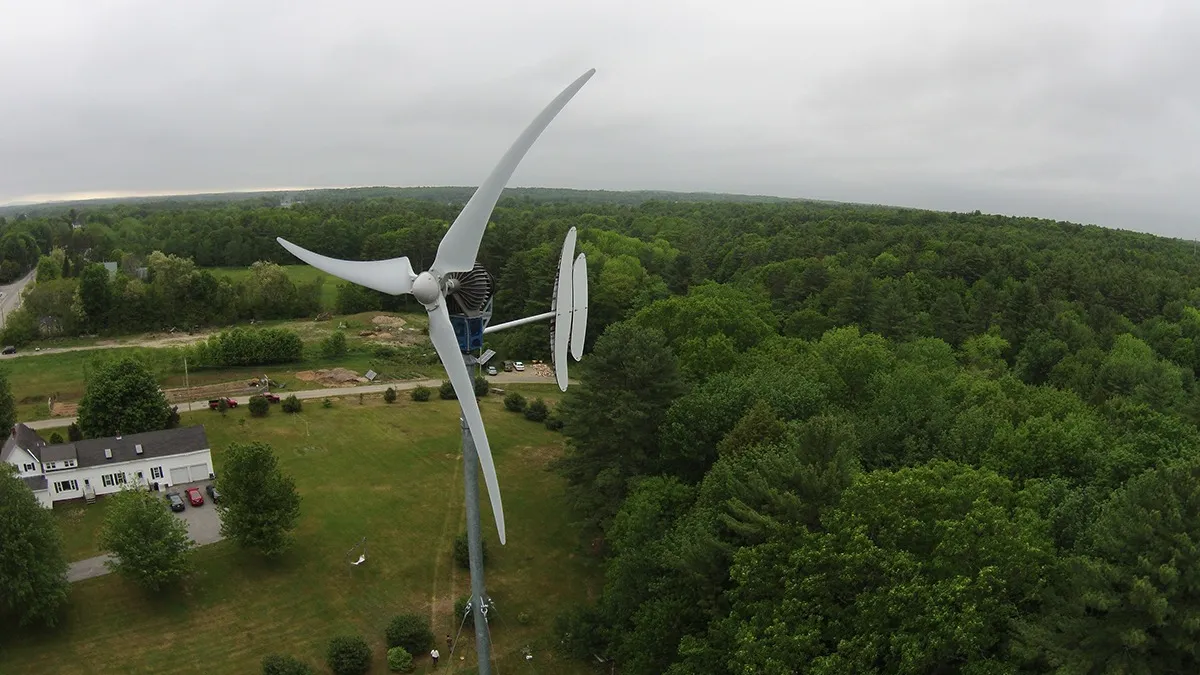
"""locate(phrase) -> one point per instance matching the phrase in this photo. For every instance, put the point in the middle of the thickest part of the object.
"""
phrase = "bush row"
(250, 347)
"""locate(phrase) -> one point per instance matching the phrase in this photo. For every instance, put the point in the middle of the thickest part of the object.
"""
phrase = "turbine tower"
(457, 293)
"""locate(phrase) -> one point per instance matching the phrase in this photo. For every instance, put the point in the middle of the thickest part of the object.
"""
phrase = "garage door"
(179, 476)
(199, 472)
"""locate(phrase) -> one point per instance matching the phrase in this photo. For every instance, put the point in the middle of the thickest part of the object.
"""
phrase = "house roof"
(35, 483)
(58, 452)
(163, 443)
(23, 437)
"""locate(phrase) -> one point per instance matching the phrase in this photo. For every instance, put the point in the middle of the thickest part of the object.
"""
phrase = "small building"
(97, 466)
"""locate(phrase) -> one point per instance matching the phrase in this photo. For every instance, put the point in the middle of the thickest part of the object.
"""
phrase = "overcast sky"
(1085, 110)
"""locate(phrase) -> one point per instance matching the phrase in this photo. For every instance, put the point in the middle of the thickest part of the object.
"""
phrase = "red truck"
(272, 398)
(215, 404)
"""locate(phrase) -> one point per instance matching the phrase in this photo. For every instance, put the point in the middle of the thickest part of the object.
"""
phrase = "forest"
(809, 437)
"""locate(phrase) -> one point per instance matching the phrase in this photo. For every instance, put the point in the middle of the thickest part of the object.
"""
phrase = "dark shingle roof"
(58, 452)
(25, 438)
(163, 443)
(35, 483)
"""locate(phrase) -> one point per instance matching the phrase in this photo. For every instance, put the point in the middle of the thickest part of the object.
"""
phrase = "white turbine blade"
(441, 334)
(579, 297)
(393, 276)
(563, 305)
(457, 251)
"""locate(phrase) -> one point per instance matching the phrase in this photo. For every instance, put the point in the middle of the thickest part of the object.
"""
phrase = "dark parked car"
(9, 350)
(175, 501)
(213, 492)
(194, 496)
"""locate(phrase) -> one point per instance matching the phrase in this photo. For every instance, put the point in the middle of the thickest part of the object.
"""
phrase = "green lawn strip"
(389, 472)
(299, 274)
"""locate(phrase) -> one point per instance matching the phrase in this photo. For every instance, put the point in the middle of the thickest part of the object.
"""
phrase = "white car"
(518, 366)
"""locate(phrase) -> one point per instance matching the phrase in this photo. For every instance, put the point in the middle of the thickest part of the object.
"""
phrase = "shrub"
(515, 402)
(524, 619)
(282, 664)
(334, 345)
(446, 391)
(462, 551)
(326, 402)
(259, 407)
(173, 418)
(399, 660)
(481, 386)
(348, 655)
(410, 631)
(250, 347)
(384, 351)
(291, 404)
(553, 423)
(421, 394)
(460, 608)
(537, 411)
(389, 395)
(56, 438)
(74, 433)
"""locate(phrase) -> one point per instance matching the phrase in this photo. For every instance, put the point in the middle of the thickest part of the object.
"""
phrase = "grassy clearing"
(299, 274)
(391, 473)
(80, 527)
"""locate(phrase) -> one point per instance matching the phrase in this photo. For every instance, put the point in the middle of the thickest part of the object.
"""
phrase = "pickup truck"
(271, 398)
(215, 404)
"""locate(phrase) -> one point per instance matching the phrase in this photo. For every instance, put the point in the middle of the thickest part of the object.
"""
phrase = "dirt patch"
(388, 321)
(332, 377)
(64, 409)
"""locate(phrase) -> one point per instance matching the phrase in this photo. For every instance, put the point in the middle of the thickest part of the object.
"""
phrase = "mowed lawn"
(299, 274)
(392, 473)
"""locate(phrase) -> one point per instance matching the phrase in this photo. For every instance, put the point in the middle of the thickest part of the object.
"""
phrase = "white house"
(99, 466)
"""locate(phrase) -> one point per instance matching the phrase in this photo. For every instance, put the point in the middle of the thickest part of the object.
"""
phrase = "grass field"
(36, 377)
(299, 274)
(390, 473)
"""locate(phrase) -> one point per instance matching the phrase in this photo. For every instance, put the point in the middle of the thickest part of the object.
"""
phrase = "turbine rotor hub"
(425, 289)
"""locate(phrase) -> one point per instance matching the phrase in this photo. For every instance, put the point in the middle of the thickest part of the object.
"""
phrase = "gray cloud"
(1078, 109)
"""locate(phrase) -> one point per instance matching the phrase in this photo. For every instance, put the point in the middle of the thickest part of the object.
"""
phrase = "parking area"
(203, 524)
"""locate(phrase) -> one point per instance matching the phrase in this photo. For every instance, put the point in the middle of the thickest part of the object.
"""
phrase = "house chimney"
(107, 453)
(138, 448)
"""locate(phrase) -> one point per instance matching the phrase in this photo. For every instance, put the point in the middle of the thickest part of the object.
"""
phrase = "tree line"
(857, 503)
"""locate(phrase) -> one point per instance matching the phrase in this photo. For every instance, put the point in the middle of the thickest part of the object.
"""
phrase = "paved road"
(501, 378)
(10, 296)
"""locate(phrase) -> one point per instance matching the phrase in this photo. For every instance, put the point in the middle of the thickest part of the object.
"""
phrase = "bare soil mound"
(332, 377)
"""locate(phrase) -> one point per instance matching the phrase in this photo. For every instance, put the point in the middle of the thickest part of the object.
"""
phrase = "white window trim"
(156, 472)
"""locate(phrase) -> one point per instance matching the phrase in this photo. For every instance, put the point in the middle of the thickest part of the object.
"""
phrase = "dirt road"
(499, 379)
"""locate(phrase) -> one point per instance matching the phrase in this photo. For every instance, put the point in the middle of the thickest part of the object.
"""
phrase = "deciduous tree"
(259, 504)
(150, 546)
(33, 570)
(122, 397)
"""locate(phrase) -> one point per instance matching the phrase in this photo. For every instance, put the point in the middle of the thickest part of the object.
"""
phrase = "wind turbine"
(457, 292)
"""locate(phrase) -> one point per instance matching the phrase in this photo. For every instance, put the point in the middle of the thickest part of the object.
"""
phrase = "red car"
(194, 496)
(272, 398)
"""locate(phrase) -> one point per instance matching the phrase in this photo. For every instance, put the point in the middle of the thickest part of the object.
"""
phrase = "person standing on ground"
(449, 643)
(434, 655)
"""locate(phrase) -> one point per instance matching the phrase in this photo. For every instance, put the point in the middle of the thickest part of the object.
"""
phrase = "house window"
(65, 486)
(156, 472)
(30, 467)
(69, 463)
(111, 479)
(52, 465)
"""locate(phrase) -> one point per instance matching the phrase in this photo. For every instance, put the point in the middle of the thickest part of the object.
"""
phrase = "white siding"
(43, 497)
(20, 458)
(93, 475)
